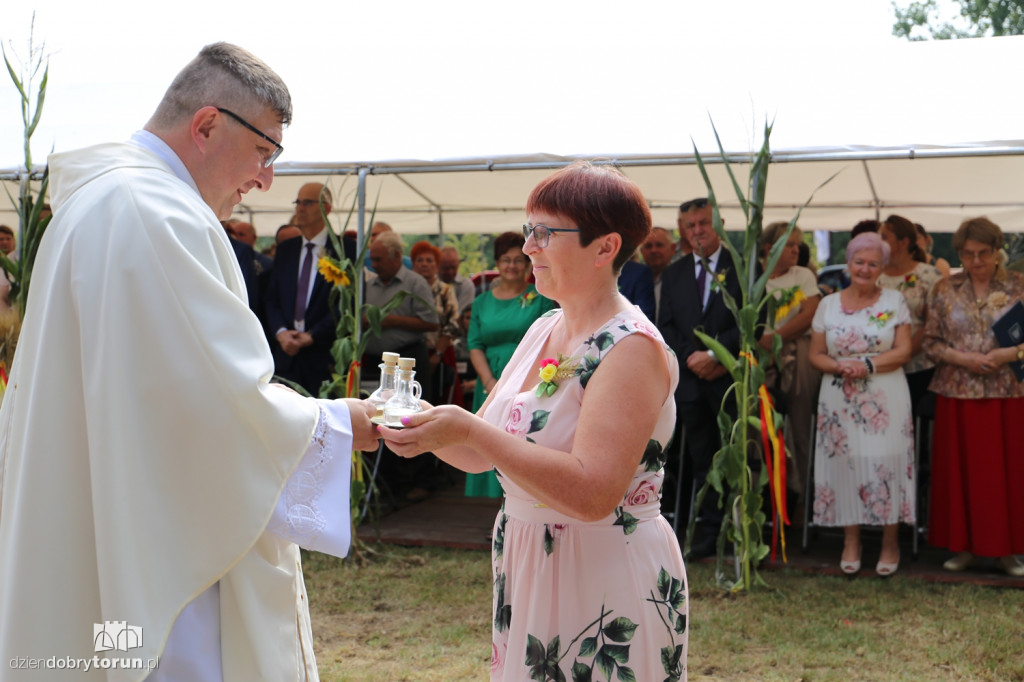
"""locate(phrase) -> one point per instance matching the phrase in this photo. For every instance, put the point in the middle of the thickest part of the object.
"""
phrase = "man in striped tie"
(298, 315)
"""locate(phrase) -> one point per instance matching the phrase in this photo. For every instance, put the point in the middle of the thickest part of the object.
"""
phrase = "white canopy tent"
(930, 130)
(937, 186)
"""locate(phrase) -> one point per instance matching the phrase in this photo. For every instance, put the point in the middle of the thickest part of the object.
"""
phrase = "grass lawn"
(425, 614)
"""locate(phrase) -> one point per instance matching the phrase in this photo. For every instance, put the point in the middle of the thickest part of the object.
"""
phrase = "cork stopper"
(406, 363)
(390, 359)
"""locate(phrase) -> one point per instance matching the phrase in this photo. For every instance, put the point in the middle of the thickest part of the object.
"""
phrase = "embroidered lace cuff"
(313, 510)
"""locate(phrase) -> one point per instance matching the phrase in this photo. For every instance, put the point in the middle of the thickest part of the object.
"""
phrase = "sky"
(448, 79)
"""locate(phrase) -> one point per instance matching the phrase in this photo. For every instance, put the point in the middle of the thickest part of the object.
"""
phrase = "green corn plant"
(32, 219)
(739, 483)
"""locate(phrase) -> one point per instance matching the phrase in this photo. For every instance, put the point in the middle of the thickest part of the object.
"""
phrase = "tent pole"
(874, 192)
(360, 231)
(440, 230)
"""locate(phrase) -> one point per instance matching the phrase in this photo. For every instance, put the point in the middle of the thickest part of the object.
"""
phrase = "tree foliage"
(977, 18)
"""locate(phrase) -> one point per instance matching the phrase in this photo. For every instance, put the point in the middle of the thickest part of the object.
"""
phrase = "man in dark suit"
(689, 301)
(247, 263)
(254, 265)
(300, 321)
(636, 283)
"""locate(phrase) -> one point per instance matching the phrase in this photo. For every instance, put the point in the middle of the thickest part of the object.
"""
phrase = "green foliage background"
(979, 18)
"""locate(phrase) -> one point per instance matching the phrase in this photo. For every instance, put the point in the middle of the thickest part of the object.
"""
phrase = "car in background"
(832, 278)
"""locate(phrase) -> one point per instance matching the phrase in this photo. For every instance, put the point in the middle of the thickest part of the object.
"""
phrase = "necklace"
(850, 310)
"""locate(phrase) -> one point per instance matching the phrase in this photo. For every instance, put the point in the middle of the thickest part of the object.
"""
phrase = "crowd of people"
(182, 481)
(904, 341)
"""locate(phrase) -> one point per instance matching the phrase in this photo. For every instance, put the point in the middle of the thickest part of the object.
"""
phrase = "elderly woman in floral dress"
(863, 460)
(978, 452)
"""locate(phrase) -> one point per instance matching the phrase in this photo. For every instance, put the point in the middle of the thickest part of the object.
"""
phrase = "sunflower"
(332, 272)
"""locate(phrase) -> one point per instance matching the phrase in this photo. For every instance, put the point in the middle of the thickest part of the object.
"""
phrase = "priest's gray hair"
(227, 76)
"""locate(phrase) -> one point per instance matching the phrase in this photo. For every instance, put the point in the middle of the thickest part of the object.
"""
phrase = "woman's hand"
(997, 357)
(852, 369)
(429, 431)
(978, 363)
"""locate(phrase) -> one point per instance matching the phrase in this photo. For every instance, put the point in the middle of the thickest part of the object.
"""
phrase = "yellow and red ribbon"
(775, 461)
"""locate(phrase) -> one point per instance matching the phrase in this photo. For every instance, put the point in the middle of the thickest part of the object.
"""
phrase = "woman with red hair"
(589, 580)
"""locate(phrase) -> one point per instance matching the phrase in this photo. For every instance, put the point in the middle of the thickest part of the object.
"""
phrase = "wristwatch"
(1020, 353)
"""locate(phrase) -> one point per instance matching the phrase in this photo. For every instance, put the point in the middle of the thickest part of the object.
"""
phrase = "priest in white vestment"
(154, 487)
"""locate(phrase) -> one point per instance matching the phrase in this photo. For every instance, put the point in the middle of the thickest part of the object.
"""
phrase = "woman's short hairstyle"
(422, 247)
(599, 200)
(867, 241)
(902, 228)
(506, 241)
(980, 230)
(773, 232)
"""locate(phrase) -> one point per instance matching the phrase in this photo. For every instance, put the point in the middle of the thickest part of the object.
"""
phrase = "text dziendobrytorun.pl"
(84, 664)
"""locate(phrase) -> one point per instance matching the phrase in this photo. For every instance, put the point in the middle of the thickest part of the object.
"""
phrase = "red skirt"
(977, 479)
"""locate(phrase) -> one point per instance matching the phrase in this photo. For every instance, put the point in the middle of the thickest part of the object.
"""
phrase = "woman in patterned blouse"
(909, 273)
(977, 467)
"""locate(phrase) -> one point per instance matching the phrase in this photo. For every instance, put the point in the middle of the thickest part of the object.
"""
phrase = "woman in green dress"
(500, 318)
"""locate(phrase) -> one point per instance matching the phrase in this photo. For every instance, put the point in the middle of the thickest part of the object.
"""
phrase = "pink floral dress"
(864, 451)
(604, 600)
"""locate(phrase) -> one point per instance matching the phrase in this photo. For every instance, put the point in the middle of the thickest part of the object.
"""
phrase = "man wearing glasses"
(298, 312)
(690, 300)
(152, 481)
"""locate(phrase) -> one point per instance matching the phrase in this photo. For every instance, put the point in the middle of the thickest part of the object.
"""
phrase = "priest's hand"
(431, 430)
(364, 433)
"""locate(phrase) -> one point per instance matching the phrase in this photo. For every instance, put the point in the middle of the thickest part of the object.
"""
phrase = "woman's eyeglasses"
(982, 255)
(542, 233)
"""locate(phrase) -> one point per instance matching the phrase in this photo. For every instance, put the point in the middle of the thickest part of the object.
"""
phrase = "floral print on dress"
(866, 408)
(876, 496)
(520, 423)
(824, 505)
(863, 462)
(603, 652)
(604, 623)
(832, 441)
(643, 492)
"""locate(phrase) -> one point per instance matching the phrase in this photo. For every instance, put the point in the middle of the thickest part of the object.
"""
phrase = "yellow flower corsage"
(881, 318)
(548, 372)
(527, 298)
